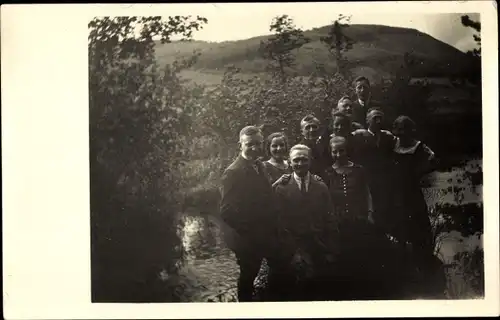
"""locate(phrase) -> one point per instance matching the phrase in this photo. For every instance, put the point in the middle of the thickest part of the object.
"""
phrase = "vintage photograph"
(270, 156)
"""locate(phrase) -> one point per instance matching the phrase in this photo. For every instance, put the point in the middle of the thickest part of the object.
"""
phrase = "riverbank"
(212, 267)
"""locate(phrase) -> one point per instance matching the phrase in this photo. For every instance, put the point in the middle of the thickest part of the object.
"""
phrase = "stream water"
(214, 268)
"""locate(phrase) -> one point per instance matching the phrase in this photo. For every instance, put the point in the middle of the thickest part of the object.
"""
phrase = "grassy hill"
(377, 53)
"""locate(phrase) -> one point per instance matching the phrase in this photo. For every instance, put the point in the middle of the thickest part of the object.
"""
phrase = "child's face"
(340, 126)
(339, 152)
(278, 148)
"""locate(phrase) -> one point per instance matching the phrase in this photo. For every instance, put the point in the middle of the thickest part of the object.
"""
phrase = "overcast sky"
(234, 21)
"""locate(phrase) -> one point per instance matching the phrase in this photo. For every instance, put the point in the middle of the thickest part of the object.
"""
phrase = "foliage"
(467, 218)
(476, 25)
(275, 104)
(338, 42)
(137, 118)
(400, 97)
(278, 49)
(466, 278)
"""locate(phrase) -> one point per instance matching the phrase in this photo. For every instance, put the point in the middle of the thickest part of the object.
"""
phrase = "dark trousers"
(250, 260)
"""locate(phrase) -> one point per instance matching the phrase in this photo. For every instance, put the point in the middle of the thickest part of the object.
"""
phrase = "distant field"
(210, 77)
(205, 78)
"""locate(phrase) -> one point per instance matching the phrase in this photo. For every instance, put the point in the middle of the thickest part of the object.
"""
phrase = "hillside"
(377, 53)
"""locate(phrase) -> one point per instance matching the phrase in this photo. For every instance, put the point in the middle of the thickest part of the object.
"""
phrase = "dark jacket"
(359, 111)
(247, 204)
(321, 157)
(303, 216)
(375, 154)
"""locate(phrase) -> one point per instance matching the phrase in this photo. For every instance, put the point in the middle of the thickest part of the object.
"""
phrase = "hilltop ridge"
(377, 52)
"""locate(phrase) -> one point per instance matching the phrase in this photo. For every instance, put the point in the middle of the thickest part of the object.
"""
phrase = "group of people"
(331, 195)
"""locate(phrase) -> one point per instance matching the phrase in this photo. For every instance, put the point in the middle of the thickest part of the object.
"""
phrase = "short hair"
(361, 78)
(309, 118)
(372, 112)
(406, 122)
(270, 138)
(302, 147)
(336, 140)
(343, 99)
(340, 114)
(250, 131)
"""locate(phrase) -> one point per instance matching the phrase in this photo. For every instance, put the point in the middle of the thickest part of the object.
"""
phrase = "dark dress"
(414, 225)
(349, 193)
(356, 263)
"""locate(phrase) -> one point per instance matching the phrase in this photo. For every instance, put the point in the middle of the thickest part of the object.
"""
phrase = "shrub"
(137, 118)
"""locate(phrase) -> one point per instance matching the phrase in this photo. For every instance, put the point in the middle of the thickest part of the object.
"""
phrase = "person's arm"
(368, 195)
(328, 202)
(231, 210)
(329, 227)
(370, 204)
(284, 235)
(282, 180)
(426, 160)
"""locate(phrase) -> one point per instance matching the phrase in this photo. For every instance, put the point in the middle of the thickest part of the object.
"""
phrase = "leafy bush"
(138, 116)
(466, 275)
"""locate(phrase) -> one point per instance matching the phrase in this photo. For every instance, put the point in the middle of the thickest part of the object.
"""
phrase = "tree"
(476, 25)
(137, 117)
(335, 84)
(401, 97)
(338, 42)
(278, 49)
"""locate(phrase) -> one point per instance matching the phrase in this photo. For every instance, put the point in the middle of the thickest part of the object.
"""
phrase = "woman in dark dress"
(277, 149)
(412, 159)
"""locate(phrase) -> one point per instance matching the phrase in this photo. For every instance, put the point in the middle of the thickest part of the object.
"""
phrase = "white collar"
(298, 179)
(363, 103)
(406, 150)
(244, 157)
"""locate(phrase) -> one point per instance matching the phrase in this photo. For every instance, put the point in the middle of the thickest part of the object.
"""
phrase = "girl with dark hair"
(277, 150)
